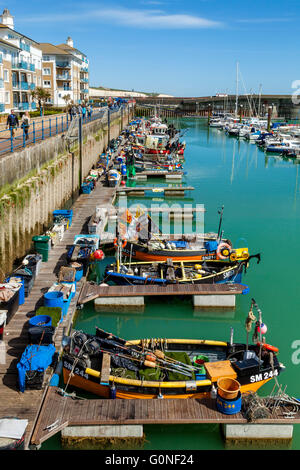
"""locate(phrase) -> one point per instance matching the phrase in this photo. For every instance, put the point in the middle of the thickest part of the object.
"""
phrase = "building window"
(34, 79)
(7, 97)
(47, 84)
(6, 75)
(47, 71)
(46, 58)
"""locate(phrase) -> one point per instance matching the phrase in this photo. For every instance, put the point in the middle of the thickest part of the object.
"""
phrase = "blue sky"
(179, 47)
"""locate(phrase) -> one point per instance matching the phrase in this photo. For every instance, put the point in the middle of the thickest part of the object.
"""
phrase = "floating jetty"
(94, 418)
(166, 191)
(204, 295)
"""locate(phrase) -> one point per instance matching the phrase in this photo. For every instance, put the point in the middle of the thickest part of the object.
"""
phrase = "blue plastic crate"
(67, 214)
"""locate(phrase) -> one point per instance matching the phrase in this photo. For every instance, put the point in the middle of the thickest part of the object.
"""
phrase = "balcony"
(85, 80)
(63, 65)
(63, 77)
(24, 47)
(84, 69)
(65, 88)
(20, 65)
(84, 90)
(21, 106)
(32, 67)
(23, 85)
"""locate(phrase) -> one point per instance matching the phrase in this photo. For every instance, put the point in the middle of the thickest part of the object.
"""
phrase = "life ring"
(124, 243)
(269, 347)
(223, 251)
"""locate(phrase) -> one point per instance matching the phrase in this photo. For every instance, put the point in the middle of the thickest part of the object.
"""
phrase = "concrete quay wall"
(47, 178)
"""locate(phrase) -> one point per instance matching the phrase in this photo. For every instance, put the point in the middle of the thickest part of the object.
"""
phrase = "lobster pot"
(229, 407)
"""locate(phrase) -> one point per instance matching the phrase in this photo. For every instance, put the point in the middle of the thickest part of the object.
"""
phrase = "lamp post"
(241, 112)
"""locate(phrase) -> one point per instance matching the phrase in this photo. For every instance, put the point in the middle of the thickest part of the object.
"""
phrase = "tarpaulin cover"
(35, 357)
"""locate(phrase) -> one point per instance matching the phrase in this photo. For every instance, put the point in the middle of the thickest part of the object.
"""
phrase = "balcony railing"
(84, 90)
(22, 106)
(85, 80)
(63, 65)
(32, 67)
(65, 88)
(24, 47)
(84, 69)
(20, 65)
(2, 107)
(23, 85)
(63, 77)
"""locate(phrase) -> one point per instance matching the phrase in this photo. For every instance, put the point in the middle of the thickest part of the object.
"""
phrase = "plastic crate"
(65, 213)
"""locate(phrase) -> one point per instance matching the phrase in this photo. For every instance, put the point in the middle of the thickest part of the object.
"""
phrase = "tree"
(42, 96)
(68, 100)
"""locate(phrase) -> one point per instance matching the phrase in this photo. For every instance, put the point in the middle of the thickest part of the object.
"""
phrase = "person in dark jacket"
(12, 122)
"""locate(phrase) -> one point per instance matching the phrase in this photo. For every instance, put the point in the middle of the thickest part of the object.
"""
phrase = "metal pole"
(43, 136)
(108, 126)
(80, 150)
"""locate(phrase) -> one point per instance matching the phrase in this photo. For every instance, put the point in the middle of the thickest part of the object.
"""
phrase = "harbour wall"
(46, 177)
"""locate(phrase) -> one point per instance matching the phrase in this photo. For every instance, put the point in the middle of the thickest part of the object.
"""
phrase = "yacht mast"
(237, 89)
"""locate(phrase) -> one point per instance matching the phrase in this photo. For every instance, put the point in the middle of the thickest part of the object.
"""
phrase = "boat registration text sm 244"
(263, 376)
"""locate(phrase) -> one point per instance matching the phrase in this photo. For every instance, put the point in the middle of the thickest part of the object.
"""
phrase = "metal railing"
(40, 129)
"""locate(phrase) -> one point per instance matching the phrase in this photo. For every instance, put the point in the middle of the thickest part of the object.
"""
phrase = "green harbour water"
(261, 201)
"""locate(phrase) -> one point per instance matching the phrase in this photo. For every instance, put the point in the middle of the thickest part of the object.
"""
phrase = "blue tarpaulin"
(35, 357)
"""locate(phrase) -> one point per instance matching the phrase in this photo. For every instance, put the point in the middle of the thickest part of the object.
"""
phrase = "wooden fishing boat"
(185, 249)
(111, 367)
(160, 273)
(145, 242)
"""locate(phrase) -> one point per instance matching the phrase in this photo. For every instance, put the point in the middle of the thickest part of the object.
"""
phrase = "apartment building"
(20, 67)
(65, 71)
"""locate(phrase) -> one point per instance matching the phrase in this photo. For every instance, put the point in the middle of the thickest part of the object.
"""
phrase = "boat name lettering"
(263, 376)
(76, 371)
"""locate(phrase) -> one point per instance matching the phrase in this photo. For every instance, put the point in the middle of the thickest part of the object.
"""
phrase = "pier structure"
(282, 106)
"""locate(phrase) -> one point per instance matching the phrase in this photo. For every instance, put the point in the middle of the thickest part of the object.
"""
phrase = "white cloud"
(150, 19)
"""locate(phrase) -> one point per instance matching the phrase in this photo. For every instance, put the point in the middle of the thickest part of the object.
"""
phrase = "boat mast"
(259, 100)
(220, 222)
(237, 89)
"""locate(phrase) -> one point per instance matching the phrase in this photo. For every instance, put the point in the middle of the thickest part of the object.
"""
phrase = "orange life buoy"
(269, 347)
(223, 251)
(124, 243)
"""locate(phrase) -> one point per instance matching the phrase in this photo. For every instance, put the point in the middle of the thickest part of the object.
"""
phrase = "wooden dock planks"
(27, 405)
(140, 411)
(92, 291)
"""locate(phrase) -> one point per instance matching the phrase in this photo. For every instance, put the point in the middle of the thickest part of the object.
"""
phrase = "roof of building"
(4, 26)
(48, 48)
(9, 44)
(69, 48)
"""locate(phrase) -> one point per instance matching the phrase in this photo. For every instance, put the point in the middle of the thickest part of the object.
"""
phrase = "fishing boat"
(189, 272)
(111, 367)
(145, 242)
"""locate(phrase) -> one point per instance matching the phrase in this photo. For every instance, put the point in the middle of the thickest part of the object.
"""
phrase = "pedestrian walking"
(83, 110)
(12, 123)
(25, 124)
